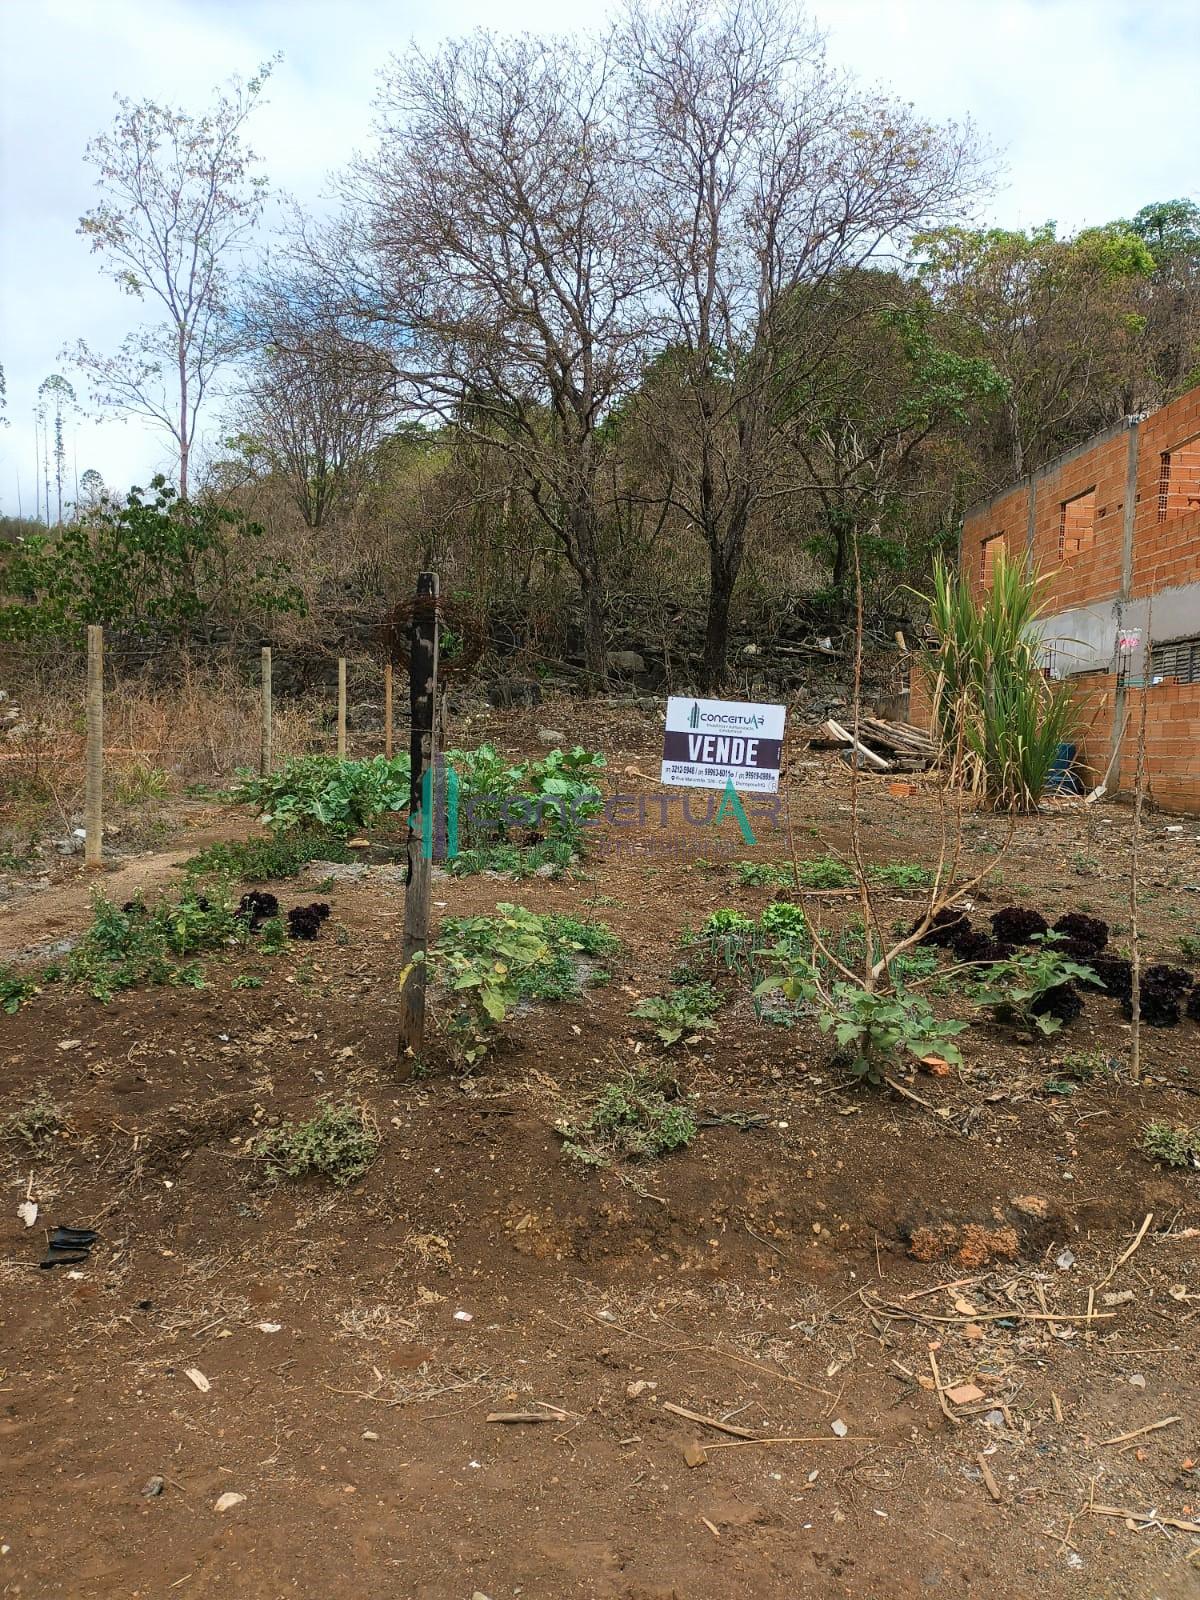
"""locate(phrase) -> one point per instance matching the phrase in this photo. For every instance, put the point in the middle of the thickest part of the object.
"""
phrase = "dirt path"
(61, 911)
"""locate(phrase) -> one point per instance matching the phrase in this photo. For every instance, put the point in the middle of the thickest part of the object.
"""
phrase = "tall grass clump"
(999, 718)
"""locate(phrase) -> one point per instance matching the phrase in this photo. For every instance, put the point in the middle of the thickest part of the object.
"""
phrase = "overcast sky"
(1093, 104)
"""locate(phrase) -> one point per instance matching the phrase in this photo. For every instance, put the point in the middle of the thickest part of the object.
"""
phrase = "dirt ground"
(355, 1341)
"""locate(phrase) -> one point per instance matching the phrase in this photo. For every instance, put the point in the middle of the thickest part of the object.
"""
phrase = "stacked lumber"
(886, 746)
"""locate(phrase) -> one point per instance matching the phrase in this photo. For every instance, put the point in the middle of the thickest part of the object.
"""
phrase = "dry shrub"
(159, 738)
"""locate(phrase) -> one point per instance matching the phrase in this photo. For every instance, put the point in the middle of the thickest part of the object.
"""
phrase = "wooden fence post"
(93, 807)
(423, 668)
(387, 709)
(341, 711)
(264, 754)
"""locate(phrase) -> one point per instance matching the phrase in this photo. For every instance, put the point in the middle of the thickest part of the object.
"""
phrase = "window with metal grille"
(1180, 660)
(989, 551)
(1077, 524)
(1179, 479)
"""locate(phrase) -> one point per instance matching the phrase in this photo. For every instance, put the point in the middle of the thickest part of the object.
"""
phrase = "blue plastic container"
(1062, 777)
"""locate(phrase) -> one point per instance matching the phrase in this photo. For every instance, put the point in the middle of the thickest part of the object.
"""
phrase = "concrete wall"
(1140, 570)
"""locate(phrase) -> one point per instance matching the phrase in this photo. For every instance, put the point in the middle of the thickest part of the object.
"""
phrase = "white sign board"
(711, 743)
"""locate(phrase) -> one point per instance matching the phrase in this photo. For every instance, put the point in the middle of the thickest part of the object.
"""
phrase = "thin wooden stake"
(93, 808)
(1138, 1433)
(387, 710)
(1135, 853)
(264, 754)
(341, 711)
(423, 667)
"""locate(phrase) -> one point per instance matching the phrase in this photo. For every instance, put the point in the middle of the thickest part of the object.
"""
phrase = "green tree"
(764, 173)
(1060, 321)
(1170, 296)
(861, 423)
(154, 561)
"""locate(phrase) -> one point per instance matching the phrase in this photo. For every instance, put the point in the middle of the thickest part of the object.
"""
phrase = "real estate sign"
(709, 744)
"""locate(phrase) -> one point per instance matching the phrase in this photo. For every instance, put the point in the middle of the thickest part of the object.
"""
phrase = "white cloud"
(1092, 103)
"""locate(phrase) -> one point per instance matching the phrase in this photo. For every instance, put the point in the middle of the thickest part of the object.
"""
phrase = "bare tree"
(179, 201)
(764, 173)
(503, 249)
(317, 396)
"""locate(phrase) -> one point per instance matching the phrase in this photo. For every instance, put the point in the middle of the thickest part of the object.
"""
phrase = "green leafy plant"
(1189, 943)
(34, 1124)
(153, 562)
(246, 980)
(339, 1142)
(762, 874)
(1033, 988)
(998, 717)
(878, 1030)
(824, 872)
(14, 989)
(487, 964)
(127, 947)
(784, 923)
(685, 1012)
(900, 875)
(632, 1118)
(727, 937)
(912, 965)
(1172, 1144)
(326, 793)
(282, 855)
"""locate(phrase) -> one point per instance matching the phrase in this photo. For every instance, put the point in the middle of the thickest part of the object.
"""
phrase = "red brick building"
(1116, 523)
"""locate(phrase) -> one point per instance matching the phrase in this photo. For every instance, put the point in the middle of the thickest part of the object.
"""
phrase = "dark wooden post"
(423, 667)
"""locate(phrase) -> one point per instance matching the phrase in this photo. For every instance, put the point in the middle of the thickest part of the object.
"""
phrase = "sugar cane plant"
(993, 705)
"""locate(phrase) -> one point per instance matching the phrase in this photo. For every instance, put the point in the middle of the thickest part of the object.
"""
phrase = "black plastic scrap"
(68, 1246)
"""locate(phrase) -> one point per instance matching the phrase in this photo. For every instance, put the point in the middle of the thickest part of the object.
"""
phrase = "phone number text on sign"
(709, 744)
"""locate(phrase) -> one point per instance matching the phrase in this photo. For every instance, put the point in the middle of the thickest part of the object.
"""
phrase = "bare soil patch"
(355, 1340)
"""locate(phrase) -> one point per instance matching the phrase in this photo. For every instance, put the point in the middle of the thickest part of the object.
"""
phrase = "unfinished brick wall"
(1075, 522)
(1166, 531)
(1172, 742)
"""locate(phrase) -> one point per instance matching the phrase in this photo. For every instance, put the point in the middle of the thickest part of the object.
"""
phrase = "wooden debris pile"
(885, 746)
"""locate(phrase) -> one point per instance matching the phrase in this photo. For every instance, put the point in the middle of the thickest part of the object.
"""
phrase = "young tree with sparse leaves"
(179, 201)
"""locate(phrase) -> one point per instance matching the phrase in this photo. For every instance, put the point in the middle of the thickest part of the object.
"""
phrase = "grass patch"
(1172, 1144)
(516, 861)
(284, 855)
(632, 1119)
(14, 989)
(339, 1143)
(33, 1125)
